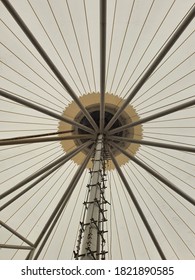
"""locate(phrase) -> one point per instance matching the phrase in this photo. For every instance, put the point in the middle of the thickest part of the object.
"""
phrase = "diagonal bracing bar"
(11, 141)
(18, 247)
(154, 116)
(155, 174)
(47, 59)
(189, 17)
(40, 135)
(30, 255)
(16, 234)
(143, 217)
(103, 7)
(44, 110)
(154, 144)
(64, 158)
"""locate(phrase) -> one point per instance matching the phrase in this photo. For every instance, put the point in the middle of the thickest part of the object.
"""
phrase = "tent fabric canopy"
(88, 47)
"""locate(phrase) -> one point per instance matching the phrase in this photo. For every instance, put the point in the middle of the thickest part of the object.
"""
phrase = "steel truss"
(91, 241)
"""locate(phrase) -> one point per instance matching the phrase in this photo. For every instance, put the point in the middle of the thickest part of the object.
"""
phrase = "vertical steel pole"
(91, 245)
(103, 7)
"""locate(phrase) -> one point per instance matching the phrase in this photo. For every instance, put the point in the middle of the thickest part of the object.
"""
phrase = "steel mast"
(90, 244)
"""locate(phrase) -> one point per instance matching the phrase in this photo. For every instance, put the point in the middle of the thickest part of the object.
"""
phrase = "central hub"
(91, 102)
(96, 117)
(110, 110)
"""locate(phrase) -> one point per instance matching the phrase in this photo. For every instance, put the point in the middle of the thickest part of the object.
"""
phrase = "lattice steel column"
(91, 240)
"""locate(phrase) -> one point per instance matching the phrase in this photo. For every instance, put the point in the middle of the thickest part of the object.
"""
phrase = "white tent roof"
(69, 32)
